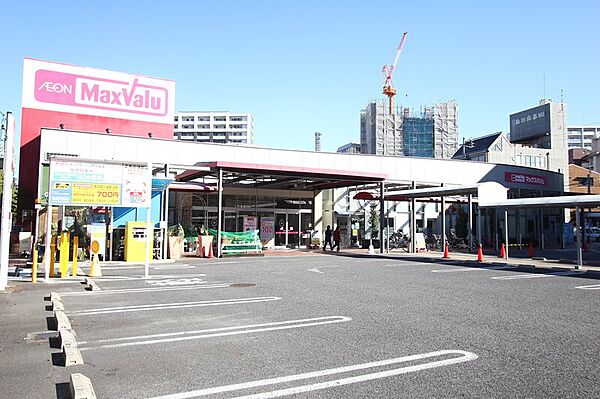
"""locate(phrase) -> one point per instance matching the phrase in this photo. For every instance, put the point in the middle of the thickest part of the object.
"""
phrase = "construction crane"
(388, 90)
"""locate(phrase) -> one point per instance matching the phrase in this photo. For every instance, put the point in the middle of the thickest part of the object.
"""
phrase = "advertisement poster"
(250, 223)
(267, 230)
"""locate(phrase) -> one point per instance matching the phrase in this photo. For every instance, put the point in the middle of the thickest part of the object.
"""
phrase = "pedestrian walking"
(337, 238)
(328, 239)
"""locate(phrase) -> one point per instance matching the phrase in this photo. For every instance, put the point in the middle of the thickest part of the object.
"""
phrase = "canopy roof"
(570, 201)
(287, 177)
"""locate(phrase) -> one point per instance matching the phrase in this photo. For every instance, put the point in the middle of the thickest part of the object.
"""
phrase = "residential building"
(431, 133)
(350, 148)
(584, 181)
(214, 127)
(581, 136)
(579, 157)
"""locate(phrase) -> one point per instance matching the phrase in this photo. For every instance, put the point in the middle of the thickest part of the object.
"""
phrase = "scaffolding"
(445, 132)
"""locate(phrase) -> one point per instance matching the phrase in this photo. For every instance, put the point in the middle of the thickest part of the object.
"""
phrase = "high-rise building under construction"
(431, 133)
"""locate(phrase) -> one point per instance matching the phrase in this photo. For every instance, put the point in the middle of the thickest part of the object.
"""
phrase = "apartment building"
(582, 136)
(214, 127)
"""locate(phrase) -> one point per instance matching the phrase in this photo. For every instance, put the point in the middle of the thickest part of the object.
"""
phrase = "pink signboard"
(522, 178)
(68, 88)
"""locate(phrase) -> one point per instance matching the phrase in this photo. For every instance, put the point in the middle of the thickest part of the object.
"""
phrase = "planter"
(175, 247)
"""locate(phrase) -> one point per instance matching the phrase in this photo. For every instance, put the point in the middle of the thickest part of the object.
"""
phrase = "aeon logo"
(91, 92)
(56, 87)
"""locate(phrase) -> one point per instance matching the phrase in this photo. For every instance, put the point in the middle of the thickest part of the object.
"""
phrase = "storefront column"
(578, 238)
(506, 233)
(381, 216)
(219, 210)
(470, 230)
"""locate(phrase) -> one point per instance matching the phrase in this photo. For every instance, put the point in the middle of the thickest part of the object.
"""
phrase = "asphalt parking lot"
(336, 327)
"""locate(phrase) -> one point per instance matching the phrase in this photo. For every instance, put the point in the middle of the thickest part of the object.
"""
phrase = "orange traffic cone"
(210, 252)
(502, 251)
(446, 254)
(480, 254)
(530, 249)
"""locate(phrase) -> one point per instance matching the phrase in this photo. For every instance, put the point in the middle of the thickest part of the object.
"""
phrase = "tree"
(373, 220)
(15, 191)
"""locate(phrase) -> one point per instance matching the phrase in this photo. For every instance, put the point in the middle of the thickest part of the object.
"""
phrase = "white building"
(581, 136)
(214, 127)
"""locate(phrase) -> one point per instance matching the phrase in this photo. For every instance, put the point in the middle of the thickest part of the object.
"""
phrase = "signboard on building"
(522, 178)
(92, 183)
(534, 122)
(60, 87)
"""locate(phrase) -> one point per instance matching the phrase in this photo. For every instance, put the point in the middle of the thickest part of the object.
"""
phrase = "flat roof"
(563, 201)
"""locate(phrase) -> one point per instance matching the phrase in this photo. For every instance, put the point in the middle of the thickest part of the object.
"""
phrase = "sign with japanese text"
(89, 183)
(534, 122)
(521, 178)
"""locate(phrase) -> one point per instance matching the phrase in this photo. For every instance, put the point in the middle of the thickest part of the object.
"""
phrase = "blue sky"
(309, 66)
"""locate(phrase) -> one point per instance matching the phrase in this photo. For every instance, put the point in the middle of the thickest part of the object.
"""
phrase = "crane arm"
(391, 69)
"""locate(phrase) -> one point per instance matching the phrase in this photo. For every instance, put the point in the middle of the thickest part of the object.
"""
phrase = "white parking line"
(527, 276)
(142, 278)
(216, 332)
(589, 287)
(135, 290)
(464, 357)
(471, 269)
(176, 305)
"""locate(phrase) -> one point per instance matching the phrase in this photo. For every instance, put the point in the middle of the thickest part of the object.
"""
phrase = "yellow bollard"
(34, 266)
(75, 247)
(64, 255)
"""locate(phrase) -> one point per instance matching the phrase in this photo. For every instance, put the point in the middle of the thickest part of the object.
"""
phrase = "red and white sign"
(68, 88)
(521, 178)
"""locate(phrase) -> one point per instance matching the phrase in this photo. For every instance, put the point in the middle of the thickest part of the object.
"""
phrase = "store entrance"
(287, 229)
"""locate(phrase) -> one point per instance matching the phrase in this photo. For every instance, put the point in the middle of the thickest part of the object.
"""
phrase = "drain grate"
(242, 285)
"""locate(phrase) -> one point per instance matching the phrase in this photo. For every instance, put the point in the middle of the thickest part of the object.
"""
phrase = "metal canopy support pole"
(578, 238)
(149, 229)
(506, 233)
(443, 215)
(219, 210)
(479, 210)
(413, 221)
(381, 216)
(166, 216)
(543, 244)
(47, 243)
(470, 231)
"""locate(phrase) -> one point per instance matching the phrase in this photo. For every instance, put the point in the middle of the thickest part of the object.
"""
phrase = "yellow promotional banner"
(98, 194)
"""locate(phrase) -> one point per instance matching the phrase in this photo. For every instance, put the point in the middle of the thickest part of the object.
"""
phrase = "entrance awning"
(286, 177)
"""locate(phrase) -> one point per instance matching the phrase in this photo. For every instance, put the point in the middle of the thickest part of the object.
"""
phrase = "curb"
(81, 387)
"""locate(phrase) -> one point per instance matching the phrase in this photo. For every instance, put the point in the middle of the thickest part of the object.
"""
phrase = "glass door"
(280, 229)
(293, 229)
